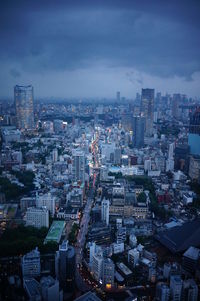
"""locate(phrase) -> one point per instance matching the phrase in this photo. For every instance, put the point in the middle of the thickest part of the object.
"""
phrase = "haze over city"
(93, 48)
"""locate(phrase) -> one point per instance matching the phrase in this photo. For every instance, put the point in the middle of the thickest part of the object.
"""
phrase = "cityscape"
(99, 181)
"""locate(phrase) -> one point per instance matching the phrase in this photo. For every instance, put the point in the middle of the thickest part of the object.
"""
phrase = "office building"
(32, 289)
(108, 273)
(23, 96)
(176, 101)
(65, 266)
(78, 165)
(118, 97)
(194, 133)
(190, 259)
(147, 109)
(190, 290)
(162, 292)
(46, 200)
(37, 217)
(31, 264)
(97, 264)
(133, 257)
(138, 131)
(88, 297)
(105, 211)
(50, 289)
(176, 287)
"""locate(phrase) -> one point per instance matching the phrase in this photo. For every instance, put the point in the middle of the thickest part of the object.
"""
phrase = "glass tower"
(23, 96)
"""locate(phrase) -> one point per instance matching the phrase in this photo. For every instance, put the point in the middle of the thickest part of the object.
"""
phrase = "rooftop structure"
(55, 231)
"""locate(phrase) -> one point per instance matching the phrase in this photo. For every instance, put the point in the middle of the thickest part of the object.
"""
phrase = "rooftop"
(55, 231)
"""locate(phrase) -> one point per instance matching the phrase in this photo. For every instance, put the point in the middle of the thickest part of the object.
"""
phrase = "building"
(37, 217)
(176, 100)
(194, 168)
(194, 133)
(176, 287)
(55, 232)
(133, 257)
(46, 200)
(23, 96)
(31, 264)
(190, 259)
(121, 235)
(97, 264)
(190, 290)
(105, 211)
(138, 131)
(65, 266)
(88, 297)
(118, 97)
(162, 292)
(78, 165)
(32, 289)
(147, 109)
(50, 289)
(108, 273)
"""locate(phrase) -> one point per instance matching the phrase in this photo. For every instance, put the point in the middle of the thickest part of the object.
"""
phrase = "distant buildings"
(23, 96)
(31, 264)
(37, 217)
(194, 133)
(175, 105)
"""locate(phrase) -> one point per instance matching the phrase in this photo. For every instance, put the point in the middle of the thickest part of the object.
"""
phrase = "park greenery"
(13, 191)
(20, 240)
(72, 237)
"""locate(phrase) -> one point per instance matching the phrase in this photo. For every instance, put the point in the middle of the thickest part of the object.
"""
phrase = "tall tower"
(105, 211)
(147, 109)
(78, 165)
(175, 105)
(23, 96)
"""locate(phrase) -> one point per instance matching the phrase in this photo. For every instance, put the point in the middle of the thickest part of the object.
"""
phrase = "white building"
(55, 155)
(105, 211)
(46, 200)
(31, 264)
(37, 217)
(118, 247)
(132, 240)
(97, 263)
(78, 165)
(108, 272)
(133, 257)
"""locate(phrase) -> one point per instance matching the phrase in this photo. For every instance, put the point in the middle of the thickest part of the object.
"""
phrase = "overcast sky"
(95, 48)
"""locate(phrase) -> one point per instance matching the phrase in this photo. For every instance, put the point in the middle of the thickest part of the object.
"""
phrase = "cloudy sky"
(83, 48)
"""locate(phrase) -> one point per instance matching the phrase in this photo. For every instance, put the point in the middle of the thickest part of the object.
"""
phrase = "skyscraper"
(105, 211)
(194, 132)
(118, 98)
(175, 105)
(78, 165)
(138, 131)
(65, 262)
(147, 109)
(23, 96)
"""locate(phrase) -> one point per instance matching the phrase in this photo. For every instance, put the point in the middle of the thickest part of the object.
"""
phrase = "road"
(81, 237)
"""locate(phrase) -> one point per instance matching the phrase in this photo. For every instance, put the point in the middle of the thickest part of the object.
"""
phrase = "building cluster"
(119, 180)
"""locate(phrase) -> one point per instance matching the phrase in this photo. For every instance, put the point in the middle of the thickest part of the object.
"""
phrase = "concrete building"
(133, 257)
(105, 211)
(108, 273)
(138, 131)
(46, 200)
(78, 165)
(147, 109)
(176, 287)
(31, 264)
(162, 292)
(23, 96)
(37, 217)
(50, 289)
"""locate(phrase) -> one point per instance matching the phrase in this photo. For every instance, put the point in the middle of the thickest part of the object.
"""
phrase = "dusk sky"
(95, 48)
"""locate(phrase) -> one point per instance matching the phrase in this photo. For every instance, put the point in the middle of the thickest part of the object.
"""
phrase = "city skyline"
(94, 49)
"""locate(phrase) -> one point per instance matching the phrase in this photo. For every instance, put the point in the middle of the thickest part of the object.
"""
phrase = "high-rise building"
(97, 264)
(176, 100)
(105, 211)
(194, 133)
(147, 109)
(176, 287)
(108, 273)
(37, 217)
(46, 200)
(133, 256)
(190, 290)
(50, 289)
(23, 96)
(162, 292)
(78, 165)
(31, 264)
(138, 131)
(65, 266)
(118, 98)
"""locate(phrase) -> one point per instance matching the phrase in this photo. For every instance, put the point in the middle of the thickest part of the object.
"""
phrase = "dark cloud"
(155, 37)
